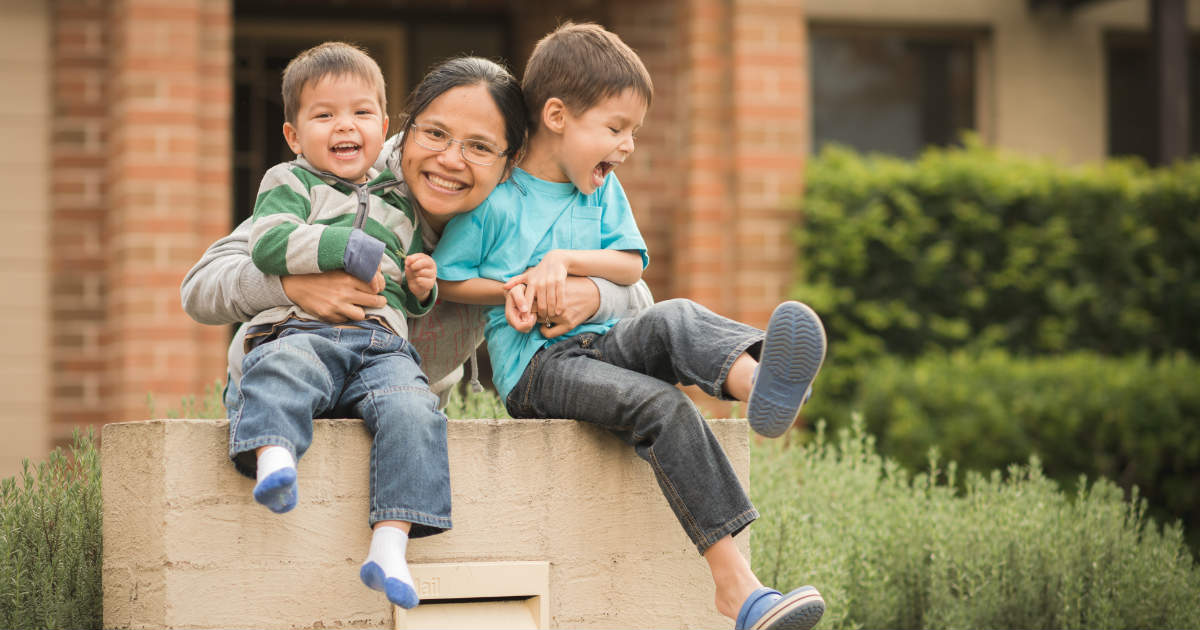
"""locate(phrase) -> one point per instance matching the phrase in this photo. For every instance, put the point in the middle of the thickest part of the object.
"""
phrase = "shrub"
(50, 541)
(466, 404)
(970, 248)
(890, 550)
(1134, 421)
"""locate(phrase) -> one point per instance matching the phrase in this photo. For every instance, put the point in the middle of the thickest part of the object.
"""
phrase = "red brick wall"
(141, 186)
(78, 152)
(169, 124)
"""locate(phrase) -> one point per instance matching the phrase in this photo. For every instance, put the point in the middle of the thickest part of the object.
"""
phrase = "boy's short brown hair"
(581, 64)
(328, 59)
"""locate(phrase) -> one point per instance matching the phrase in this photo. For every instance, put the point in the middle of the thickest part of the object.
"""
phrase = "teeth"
(443, 183)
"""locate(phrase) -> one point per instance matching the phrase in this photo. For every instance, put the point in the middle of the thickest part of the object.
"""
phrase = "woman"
(471, 98)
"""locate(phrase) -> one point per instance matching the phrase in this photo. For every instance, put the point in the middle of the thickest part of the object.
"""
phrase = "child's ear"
(554, 114)
(292, 138)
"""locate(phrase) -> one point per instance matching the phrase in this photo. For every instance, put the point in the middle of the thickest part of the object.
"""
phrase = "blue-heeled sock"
(276, 487)
(386, 569)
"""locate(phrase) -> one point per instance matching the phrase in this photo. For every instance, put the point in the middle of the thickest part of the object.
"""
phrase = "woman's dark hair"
(465, 71)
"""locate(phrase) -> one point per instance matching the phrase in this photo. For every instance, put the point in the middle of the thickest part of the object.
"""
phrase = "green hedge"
(971, 247)
(888, 550)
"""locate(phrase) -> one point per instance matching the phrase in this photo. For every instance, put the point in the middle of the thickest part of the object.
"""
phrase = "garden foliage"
(1000, 307)
(50, 539)
(1135, 421)
(893, 550)
(970, 248)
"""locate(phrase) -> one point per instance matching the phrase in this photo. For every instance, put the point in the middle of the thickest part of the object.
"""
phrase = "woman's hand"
(546, 284)
(334, 296)
(583, 298)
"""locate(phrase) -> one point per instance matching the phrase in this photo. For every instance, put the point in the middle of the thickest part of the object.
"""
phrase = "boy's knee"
(673, 310)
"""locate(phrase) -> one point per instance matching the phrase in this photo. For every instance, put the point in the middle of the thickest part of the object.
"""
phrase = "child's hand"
(517, 311)
(547, 284)
(420, 272)
(378, 283)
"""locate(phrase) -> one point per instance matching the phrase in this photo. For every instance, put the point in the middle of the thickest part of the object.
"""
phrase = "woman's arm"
(596, 300)
(618, 301)
(225, 287)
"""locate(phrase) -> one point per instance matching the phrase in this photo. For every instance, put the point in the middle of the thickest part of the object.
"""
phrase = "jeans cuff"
(718, 387)
(241, 452)
(423, 524)
(730, 528)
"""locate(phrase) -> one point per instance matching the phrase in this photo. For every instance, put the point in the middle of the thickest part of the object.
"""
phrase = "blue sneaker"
(792, 353)
(767, 609)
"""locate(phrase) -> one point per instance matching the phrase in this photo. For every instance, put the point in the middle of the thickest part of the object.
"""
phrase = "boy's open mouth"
(602, 169)
(345, 149)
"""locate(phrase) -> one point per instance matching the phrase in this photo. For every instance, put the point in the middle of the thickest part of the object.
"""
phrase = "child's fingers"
(418, 262)
(515, 280)
(519, 297)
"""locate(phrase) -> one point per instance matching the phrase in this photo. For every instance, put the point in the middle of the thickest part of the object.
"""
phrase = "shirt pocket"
(585, 227)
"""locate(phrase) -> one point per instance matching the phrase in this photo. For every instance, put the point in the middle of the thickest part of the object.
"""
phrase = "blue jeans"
(369, 373)
(624, 380)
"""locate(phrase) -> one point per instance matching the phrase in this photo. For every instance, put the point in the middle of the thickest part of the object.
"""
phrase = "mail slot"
(479, 595)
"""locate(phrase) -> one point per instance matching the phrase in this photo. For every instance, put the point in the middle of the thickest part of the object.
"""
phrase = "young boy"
(329, 209)
(564, 213)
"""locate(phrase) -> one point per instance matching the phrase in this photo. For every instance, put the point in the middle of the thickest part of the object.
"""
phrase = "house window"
(892, 90)
(1133, 97)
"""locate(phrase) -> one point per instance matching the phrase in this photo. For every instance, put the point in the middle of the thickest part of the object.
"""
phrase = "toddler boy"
(330, 209)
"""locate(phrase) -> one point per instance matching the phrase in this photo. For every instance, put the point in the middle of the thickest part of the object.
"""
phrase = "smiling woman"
(444, 182)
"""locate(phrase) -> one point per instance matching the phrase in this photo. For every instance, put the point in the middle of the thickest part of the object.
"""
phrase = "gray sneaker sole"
(792, 353)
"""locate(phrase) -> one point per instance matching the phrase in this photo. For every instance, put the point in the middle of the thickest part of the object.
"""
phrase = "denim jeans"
(369, 373)
(624, 380)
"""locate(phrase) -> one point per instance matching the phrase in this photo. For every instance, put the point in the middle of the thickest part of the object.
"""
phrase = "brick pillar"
(78, 154)
(653, 178)
(743, 141)
(168, 175)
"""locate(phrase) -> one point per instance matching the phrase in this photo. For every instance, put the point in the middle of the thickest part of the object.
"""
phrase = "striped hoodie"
(308, 222)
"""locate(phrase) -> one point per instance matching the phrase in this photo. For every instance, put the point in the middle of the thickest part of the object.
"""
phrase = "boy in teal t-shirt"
(564, 213)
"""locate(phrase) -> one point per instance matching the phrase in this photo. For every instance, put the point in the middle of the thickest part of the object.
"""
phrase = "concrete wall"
(185, 546)
(25, 119)
(1042, 73)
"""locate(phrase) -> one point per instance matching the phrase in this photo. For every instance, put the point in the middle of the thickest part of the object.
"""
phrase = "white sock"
(388, 548)
(273, 458)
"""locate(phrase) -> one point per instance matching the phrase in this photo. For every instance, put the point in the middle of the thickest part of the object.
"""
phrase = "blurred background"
(137, 131)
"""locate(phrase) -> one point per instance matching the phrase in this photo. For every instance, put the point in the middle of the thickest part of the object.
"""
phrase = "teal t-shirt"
(518, 224)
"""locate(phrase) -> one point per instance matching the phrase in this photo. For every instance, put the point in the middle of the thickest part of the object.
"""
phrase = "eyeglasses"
(478, 152)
